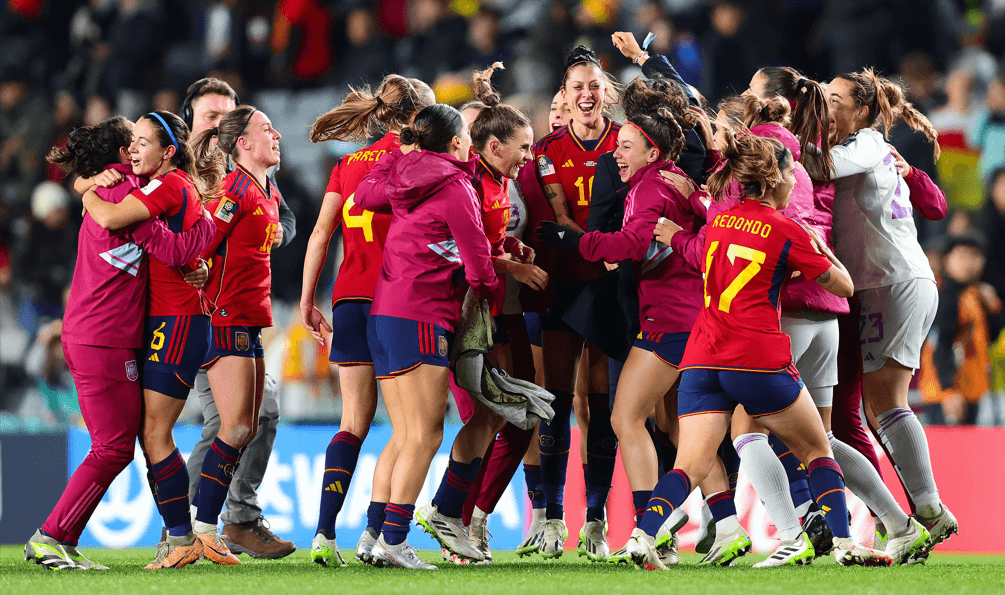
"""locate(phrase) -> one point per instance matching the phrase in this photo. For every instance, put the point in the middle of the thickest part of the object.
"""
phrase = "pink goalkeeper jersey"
(107, 301)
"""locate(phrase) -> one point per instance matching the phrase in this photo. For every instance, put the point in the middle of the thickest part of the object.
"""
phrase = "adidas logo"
(259, 211)
(869, 357)
(335, 487)
(153, 358)
(568, 163)
(658, 509)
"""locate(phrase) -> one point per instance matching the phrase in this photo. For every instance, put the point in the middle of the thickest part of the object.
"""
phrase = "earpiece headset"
(187, 113)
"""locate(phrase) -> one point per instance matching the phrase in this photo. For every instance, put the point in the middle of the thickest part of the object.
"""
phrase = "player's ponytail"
(887, 105)
(494, 120)
(810, 117)
(90, 148)
(753, 161)
(751, 110)
(171, 130)
(364, 114)
(433, 128)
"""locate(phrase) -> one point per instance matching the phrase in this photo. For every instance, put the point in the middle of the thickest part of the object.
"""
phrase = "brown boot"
(255, 538)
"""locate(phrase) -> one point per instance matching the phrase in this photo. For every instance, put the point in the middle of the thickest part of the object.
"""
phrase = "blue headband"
(168, 128)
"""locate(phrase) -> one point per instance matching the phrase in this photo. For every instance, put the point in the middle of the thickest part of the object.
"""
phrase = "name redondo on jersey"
(752, 226)
(366, 156)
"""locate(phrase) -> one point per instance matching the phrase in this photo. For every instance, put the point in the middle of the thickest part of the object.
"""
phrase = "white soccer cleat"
(532, 543)
(641, 547)
(479, 534)
(668, 551)
(794, 552)
(397, 556)
(450, 533)
(325, 552)
(364, 548)
(904, 547)
(849, 553)
(940, 529)
(727, 548)
(82, 560)
(593, 541)
(553, 537)
(48, 553)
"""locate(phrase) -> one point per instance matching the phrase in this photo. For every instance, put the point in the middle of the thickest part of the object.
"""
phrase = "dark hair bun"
(409, 136)
(579, 54)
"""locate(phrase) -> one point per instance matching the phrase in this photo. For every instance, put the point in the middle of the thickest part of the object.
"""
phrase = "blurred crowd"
(66, 64)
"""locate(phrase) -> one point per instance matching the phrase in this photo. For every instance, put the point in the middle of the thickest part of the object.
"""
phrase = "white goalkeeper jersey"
(874, 232)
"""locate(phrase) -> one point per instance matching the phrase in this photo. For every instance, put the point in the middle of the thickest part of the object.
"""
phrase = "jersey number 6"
(756, 258)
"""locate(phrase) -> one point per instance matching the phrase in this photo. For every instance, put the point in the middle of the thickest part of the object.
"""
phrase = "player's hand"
(108, 178)
(529, 274)
(524, 253)
(681, 184)
(199, 276)
(279, 237)
(899, 162)
(561, 236)
(314, 321)
(610, 266)
(818, 242)
(665, 230)
(626, 42)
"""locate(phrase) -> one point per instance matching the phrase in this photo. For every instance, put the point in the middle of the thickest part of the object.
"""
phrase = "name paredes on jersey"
(742, 224)
(365, 156)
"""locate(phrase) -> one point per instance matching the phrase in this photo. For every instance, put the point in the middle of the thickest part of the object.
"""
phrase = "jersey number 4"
(734, 251)
(364, 221)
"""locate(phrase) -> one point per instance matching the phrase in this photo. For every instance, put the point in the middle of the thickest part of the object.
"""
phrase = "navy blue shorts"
(349, 344)
(533, 322)
(399, 345)
(242, 341)
(669, 347)
(176, 347)
(761, 393)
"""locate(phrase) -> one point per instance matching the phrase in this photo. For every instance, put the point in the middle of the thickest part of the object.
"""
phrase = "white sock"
(706, 518)
(766, 473)
(201, 527)
(727, 525)
(480, 515)
(863, 480)
(905, 437)
(676, 517)
(803, 509)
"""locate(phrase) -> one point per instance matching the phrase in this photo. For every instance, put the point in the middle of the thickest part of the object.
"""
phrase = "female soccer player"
(501, 136)
(102, 331)
(669, 288)
(435, 225)
(875, 233)
(566, 161)
(247, 220)
(738, 355)
(390, 108)
(177, 331)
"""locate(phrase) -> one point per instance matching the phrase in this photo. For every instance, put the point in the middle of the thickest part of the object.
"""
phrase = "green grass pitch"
(296, 575)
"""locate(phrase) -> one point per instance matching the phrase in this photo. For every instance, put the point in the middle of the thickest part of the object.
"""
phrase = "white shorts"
(814, 337)
(895, 321)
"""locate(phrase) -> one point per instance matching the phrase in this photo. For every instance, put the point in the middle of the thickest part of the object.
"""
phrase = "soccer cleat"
(176, 552)
(620, 556)
(849, 553)
(82, 560)
(397, 556)
(940, 529)
(256, 539)
(215, 549)
(451, 534)
(553, 537)
(593, 541)
(532, 543)
(669, 531)
(880, 536)
(49, 553)
(364, 549)
(902, 549)
(819, 533)
(479, 534)
(325, 552)
(794, 552)
(641, 547)
(706, 537)
(727, 548)
(668, 551)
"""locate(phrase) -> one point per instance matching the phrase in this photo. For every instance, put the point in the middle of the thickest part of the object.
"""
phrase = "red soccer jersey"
(247, 220)
(493, 190)
(173, 197)
(562, 158)
(363, 232)
(748, 250)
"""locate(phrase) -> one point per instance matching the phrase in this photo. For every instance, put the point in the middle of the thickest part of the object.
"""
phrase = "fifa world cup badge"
(242, 340)
(442, 346)
(132, 373)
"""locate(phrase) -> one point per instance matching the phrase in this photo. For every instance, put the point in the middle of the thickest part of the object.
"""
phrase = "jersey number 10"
(756, 258)
(584, 192)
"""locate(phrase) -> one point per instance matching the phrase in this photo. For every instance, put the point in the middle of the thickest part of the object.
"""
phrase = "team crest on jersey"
(242, 340)
(544, 166)
(132, 372)
(225, 212)
(441, 346)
